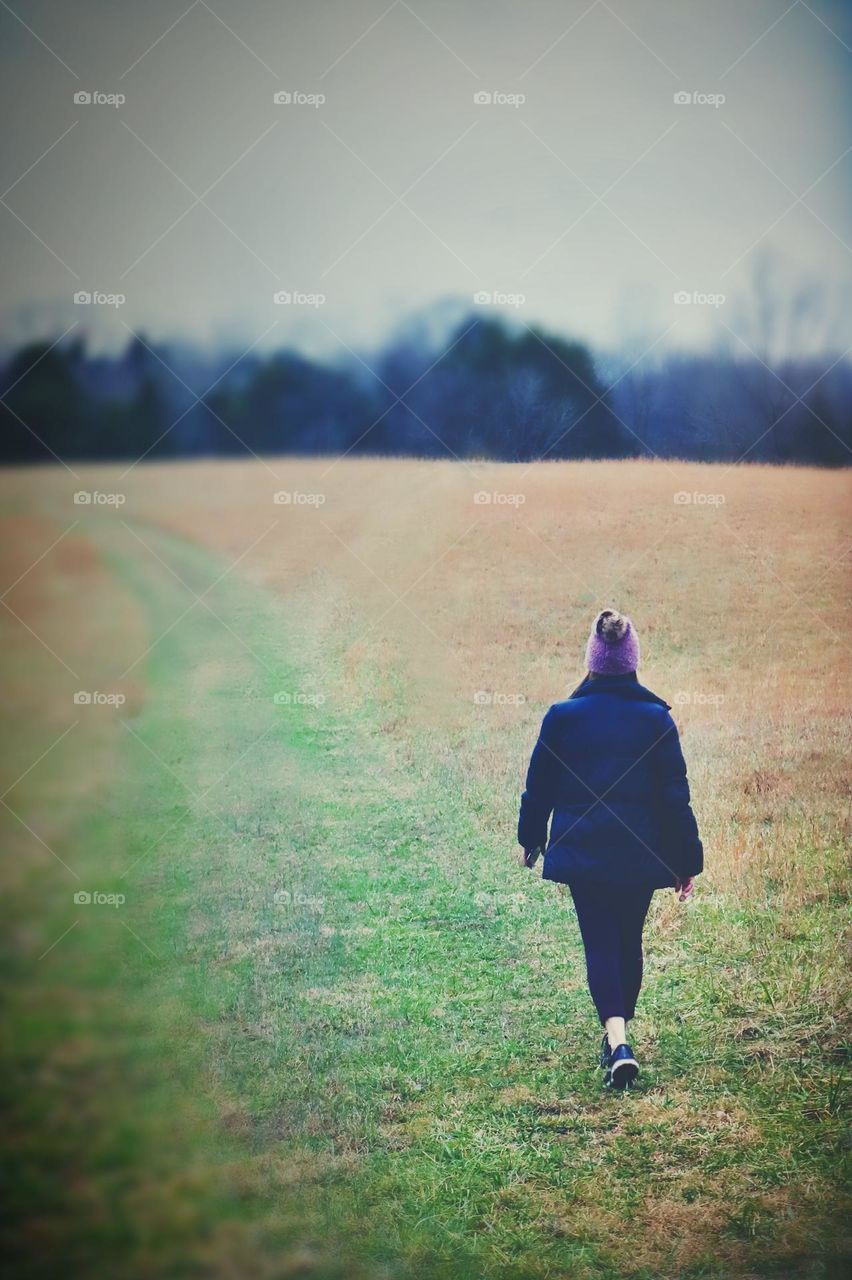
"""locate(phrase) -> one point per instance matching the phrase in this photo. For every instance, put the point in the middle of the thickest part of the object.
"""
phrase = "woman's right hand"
(684, 888)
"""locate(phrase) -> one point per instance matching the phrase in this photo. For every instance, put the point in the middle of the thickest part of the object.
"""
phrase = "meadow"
(332, 1029)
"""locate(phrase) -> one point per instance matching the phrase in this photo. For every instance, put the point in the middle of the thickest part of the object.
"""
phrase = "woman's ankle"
(616, 1032)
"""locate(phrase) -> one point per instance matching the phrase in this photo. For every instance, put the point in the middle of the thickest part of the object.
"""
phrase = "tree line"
(489, 389)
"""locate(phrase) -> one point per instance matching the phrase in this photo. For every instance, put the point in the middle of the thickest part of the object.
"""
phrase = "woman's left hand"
(684, 888)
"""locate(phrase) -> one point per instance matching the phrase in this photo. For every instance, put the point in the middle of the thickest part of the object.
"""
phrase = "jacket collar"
(622, 686)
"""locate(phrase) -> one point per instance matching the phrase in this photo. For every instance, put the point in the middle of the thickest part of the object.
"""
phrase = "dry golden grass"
(742, 608)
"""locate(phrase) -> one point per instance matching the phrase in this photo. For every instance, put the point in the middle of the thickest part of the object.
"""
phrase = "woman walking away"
(609, 769)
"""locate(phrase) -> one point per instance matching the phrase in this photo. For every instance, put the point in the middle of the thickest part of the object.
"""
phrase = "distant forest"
(490, 389)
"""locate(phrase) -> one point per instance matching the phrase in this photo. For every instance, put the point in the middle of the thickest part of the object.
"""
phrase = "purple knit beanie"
(613, 647)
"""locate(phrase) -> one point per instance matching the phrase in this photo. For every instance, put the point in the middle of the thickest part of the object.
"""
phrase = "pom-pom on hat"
(613, 646)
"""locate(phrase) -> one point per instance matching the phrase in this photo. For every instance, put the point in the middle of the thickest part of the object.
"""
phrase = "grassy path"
(333, 1033)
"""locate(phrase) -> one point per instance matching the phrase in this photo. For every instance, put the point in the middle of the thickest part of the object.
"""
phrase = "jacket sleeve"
(683, 850)
(538, 799)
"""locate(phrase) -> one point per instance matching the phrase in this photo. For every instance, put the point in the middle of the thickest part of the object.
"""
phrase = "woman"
(609, 769)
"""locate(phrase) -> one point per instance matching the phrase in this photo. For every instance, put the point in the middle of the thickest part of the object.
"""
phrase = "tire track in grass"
(124, 1159)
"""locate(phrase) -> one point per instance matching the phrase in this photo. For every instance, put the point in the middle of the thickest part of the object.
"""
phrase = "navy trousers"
(611, 922)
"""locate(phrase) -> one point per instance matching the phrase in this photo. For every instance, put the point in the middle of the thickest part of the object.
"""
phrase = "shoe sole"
(623, 1074)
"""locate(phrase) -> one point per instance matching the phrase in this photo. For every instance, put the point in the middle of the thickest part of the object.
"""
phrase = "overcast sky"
(595, 199)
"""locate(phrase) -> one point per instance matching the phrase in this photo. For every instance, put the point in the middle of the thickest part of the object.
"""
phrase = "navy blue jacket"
(609, 768)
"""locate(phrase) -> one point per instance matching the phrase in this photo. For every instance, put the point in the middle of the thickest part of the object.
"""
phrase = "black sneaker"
(622, 1069)
(605, 1052)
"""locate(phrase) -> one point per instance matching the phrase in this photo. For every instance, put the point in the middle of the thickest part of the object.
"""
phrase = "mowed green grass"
(334, 1031)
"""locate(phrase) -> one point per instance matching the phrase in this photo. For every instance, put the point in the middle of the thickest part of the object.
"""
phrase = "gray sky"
(597, 198)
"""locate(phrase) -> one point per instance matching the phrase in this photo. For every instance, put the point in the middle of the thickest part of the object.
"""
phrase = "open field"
(333, 1030)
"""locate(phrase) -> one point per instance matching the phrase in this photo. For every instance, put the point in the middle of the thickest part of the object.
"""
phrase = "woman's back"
(608, 766)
